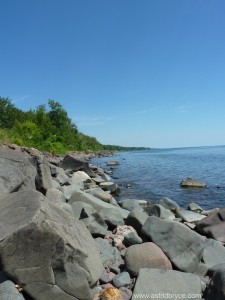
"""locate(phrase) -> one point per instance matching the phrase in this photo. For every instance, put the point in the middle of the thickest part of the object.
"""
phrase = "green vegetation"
(47, 129)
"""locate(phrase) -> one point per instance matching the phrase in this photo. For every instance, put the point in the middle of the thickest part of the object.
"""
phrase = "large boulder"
(213, 254)
(147, 255)
(17, 171)
(169, 204)
(189, 216)
(51, 254)
(136, 219)
(167, 283)
(8, 290)
(161, 212)
(183, 246)
(74, 164)
(213, 226)
(98, 204)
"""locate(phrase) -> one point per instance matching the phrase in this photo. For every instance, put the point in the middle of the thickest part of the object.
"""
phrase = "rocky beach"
(63, 236)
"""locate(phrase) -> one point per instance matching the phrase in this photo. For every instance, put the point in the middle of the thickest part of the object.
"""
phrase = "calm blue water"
(157, 173)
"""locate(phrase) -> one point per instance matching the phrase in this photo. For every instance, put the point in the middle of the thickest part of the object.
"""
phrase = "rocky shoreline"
(63, 236)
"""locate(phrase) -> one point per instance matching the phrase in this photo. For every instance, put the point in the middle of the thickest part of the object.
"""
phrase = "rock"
(110, 255)
(189, 182)
(67, 207)
(78, 178)
(85, 208)
(216, 288)
(126, 293)
(17, 171)
(96, 225)
(68, 190)
(146, 255)
(8, 290)
(195, 207)
(210, 212)
(213, 253)
(74, 164)
(112, 163)
(44, 178)
(109, 186)
(100, 194)
(183, 246)
(189, 216)
(167, 282)
(161, 212)
(213, 226)
(106, 277)
(50, 253)
(105, 177)
(112, 217)
(169, 204)
(122, 279)
(98, 204)
(55, 196)
(111, 294)
(98, 179)
(132, 239)
(129, 204)
(62, 179)
(136, 219)
(120, 232)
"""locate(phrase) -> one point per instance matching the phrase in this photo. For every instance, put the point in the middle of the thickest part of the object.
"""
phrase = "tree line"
(46, 128)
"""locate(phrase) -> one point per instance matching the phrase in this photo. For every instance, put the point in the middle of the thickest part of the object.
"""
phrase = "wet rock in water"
(110, 255)
(159, 211)
(112, 163)
(189, 216)
(122, 279)
(167, 282)
(17, 171)
(189, 182)
(46, 250)
(146, 255)
(169, 204)
(136, 219)
(213, 226)
(183, 246)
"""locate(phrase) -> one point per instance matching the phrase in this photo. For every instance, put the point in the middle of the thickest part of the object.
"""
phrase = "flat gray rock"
(161, 212)
(169, 204)
(46, 250)
(182, 246)
(189, 216)
(166, 282)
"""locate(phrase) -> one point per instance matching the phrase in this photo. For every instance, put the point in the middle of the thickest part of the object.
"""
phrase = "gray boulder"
(8, 290)
(122, 279)
(132, 238)
(55, 196)
(44, 178)
(45, 249)
(112, 217)
(169, 204)
(110, 255)
(167, 282)
(189, 182)
(96, 225)
(213, 254)
(189, 216)
(17, 171)
(195, 207)
(98, 204)
(74, 164)
(146, 255)
(100, 194)
(109, 186)
(136, 219)
(85, 208)
(159, 211)
(129, 204)
(183, 246)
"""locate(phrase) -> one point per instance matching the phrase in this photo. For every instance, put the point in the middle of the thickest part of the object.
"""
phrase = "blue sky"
(133, 73)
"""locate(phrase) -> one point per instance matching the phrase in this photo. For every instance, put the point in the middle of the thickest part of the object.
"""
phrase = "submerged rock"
(189, 182)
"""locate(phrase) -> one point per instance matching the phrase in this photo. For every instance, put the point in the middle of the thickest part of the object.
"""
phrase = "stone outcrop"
(46, 250)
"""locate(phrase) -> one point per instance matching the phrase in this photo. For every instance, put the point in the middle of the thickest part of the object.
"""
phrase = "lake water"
(157, 173)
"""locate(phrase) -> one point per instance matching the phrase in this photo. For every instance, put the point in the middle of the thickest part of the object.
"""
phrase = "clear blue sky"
(129, 72)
